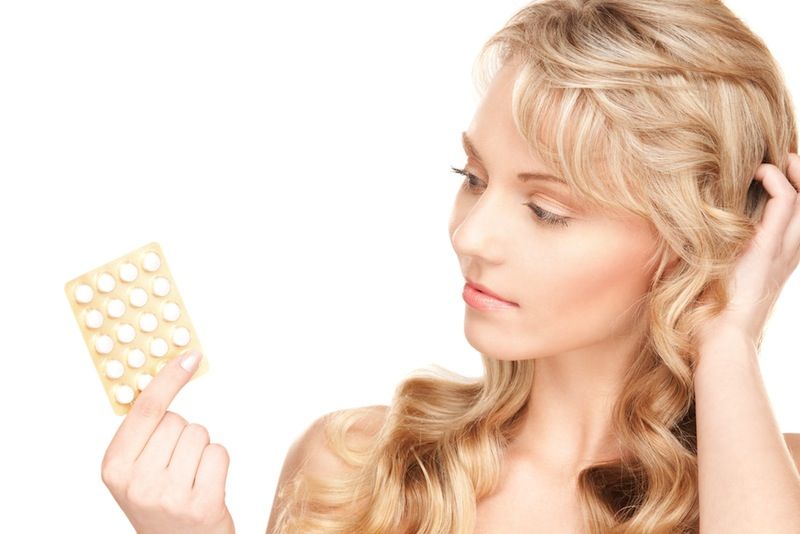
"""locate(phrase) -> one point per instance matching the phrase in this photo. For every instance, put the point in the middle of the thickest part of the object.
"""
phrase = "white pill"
(123, 393)
(138, 297)
(104, 344)
(148, 322)
(181, 336)
(125, 333)
(158, 347)
(84, 293)
(136, 358)
(143, 380)
(151, 262)
(106, 283)
(114, 369)
(94, 319)
(115, 308)
(171, 311)
(160, 286)
(128, 272)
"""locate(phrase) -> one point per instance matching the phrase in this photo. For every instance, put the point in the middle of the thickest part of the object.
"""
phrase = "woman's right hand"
(162, 471)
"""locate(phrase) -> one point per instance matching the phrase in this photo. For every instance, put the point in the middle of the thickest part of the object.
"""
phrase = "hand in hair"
(771, 256)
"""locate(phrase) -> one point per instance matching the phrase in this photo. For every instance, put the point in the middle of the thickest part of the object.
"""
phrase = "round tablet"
(84, 293)
(148, 322)
(151, 262)
(115, 308)
(181, 336)
(158, 347)
(94, 319)
(123, 393)
(128, 272)
(114, 369)
(143, 380)
(136, 358)
(104, 344)
(106, 283)
(160, 286)
(138, 297)
(171, 311)
(125, 333)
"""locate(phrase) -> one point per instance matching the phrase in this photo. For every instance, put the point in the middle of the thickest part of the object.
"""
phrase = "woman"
(624, 226)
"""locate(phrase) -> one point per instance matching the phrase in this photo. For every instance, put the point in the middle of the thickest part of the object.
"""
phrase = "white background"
(293, 161)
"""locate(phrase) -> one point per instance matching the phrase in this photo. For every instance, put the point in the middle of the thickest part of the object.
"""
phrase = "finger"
(158, 450)
(149, 407)
(186, 456)
(209, 484)
(780, 206)
(793, 173)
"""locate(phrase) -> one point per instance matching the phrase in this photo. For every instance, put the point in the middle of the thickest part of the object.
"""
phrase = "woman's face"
(575, 285)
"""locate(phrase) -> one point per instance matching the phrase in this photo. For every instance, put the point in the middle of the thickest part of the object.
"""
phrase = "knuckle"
(114, 476)
(149, 407)
(220, 449)
(171, 418)
(198, 432)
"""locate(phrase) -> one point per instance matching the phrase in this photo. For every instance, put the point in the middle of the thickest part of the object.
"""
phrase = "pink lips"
(484, 301)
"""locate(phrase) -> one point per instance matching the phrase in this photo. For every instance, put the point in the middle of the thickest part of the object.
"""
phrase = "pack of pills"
(133, 322)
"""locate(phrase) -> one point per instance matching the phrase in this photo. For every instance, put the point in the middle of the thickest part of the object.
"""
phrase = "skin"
(163, 472)
(577, 287)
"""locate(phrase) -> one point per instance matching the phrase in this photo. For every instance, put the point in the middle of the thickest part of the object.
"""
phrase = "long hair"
(660, 108)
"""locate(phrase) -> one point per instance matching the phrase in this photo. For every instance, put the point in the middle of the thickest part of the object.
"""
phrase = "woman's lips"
(484, 301)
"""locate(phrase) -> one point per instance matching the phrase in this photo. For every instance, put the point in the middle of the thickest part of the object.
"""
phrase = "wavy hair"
(660, 108)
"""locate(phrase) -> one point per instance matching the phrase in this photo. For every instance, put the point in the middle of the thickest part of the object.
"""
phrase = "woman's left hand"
(770, 258)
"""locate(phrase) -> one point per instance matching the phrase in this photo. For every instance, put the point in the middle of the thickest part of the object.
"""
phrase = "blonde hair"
(663, 109)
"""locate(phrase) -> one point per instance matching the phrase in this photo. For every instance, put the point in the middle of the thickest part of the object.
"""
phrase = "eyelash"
(544, 216)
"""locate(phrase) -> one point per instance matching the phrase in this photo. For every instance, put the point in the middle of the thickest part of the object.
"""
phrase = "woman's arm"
(747, 477)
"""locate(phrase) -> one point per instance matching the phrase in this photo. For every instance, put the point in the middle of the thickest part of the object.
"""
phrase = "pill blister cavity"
(143, 380)
(94, 319)
(125, 333)
(151, 262)
(148, 322)
(128, 272)
(171, 311)
(123, 393)
(115, 308)
(181, 336)
(103, 344)
(136, 358)
(160, 286)
(158, 347)
(106, 283)
(84, 294)
(114, 369)
(138, 297)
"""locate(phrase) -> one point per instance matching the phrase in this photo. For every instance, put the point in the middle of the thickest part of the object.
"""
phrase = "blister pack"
(133, 321)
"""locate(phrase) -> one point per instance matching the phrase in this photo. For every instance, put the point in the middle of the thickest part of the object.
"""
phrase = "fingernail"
(190, 360)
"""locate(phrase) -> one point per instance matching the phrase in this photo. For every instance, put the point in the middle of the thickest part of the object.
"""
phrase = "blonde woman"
(628, 216)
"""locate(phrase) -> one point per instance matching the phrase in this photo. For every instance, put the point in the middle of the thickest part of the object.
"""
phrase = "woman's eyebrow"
(469, 148)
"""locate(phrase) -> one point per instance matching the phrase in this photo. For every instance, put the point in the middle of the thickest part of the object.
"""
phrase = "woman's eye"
(472, 183)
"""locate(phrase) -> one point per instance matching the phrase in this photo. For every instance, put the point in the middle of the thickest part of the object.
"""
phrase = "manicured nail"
(190, 360)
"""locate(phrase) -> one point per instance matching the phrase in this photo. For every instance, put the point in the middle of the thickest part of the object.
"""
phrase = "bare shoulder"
(312, 452)
(313, 449)
(793, 443)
